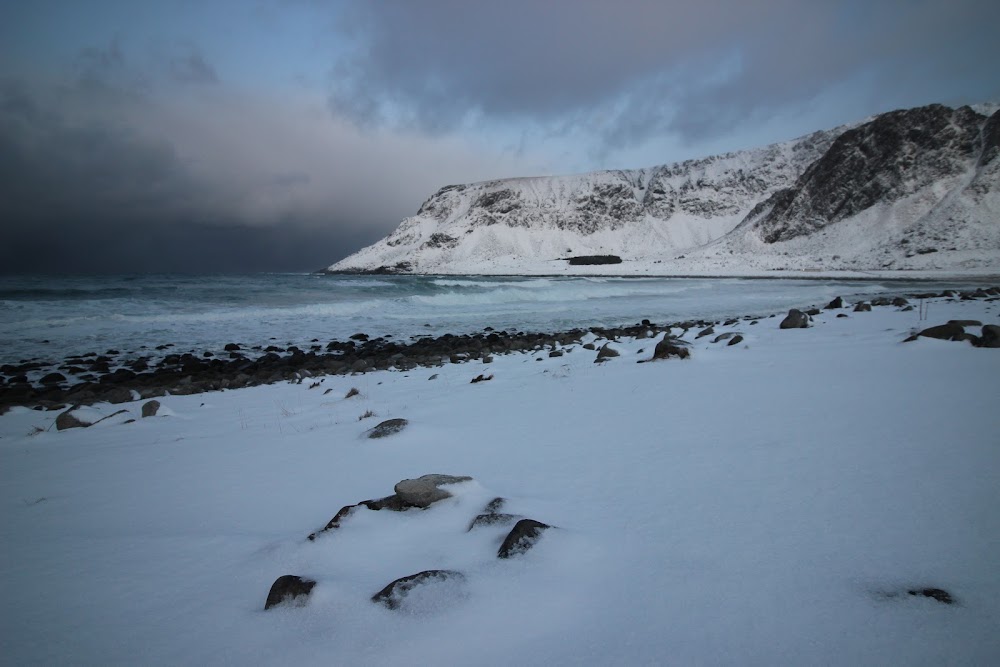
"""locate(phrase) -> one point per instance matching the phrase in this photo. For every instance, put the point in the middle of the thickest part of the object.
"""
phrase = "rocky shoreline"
(118, 378)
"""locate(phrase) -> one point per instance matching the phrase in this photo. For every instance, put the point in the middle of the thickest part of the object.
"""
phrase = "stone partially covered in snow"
(387, 428)
(424, 490)
(289, 588)
(605, 353)
(394, 595)
(991, 336)
(795, 319)
(522, 537)
(671, 346)
(68, 419)
(150, 408)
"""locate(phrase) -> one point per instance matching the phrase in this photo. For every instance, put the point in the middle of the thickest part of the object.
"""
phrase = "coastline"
(120, 379)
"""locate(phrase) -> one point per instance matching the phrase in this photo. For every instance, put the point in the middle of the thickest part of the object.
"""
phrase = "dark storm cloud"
(635, 69)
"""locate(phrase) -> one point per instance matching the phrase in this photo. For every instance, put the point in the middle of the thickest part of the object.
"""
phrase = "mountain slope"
(884, 194)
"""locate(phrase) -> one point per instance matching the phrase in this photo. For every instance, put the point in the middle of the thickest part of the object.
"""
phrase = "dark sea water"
(51, 317)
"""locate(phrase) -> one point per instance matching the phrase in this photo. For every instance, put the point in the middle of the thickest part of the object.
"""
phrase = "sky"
(282, 135)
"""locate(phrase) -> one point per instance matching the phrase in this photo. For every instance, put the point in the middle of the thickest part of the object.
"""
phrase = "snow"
(765, 503)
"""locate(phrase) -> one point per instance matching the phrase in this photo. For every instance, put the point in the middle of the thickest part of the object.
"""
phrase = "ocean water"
(51, 317)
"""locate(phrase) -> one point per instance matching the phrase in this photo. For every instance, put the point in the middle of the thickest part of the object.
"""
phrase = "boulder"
(67, 420)
(707, 331)
(289, 588)
(671, 347)
(605, 353)
(231, 347)
(991, 336)
(736, 340)
(424, 490)
(966, 323)
(53, 378)
(150, 408)
(393, 595)
(944, 332)
(795, 319)
(863, 307)
(899, 302)
(836, 303)
(522, 537)
(493, 519)
(387, 428)
(724, 336)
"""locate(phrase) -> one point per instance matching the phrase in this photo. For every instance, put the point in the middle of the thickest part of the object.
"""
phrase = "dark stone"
(493, 518)
(813, 312)
(605, 353)
(334, 523)
(670, 346)
(945, 332)
(836, 303)
(938, 594)
(522, 537)
(555, 353)
(708, 331)
(53, 378)
(231, 347)
(966, 323)
(387, 428)
(150, 408)
(392, 595)
(67, 420)
(481, 378)
(288, 588)
(795, 319)
(991, 336)
(841, 314)
(589, 346)
(736, 340)
(724, 336)
(495, 505)
(360, 337)
(899, 302)
(863, 307)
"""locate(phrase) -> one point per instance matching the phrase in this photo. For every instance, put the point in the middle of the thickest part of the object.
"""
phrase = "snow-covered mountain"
(911, 189)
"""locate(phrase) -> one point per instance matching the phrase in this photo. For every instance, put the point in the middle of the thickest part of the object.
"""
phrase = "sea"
(47, 318)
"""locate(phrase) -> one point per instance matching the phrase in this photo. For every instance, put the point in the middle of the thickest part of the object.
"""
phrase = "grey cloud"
(636, 69)
(192, 68)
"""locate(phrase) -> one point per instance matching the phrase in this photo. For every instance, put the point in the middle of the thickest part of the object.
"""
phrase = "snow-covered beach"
(769, 502)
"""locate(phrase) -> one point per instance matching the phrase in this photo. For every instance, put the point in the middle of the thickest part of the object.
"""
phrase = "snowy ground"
(755, 505)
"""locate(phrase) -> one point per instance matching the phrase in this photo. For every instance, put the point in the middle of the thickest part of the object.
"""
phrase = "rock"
(841, 314)
(966, 323)
(707, 331)
(387, 428)
(899, 302)
(589, 346)
(555, 353)
(938, 594)
(881, 301)
(605, 353)
(150, 408)
(736, 340)
(836, 303)
(424, 490)
(724, 336)
(232, 347)
(863, 308)
(334, 523)
(67, 420)
(393, 595)
(522, 537)
(289, 588)
(492, 519)
(991, 336)
(795, 319)
(944, 332)
(813, 311)
(495, 505)
(53, 378)
(671, 347)
(481, 378)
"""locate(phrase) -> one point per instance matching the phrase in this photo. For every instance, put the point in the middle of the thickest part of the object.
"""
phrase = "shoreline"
(114, 378)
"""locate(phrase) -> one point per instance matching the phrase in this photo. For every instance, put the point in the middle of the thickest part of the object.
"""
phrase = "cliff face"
(878, 195)
(892, 157)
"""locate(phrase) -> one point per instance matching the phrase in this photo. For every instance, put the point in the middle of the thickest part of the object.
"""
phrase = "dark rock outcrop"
(289, 588)
(671, 346)
(393, 595)
(836, 303)
(795, 319)
(522, 537)
(425, 490)
(387, 428)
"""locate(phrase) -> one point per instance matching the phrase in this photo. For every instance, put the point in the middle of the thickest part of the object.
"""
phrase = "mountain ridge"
(880, 194)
